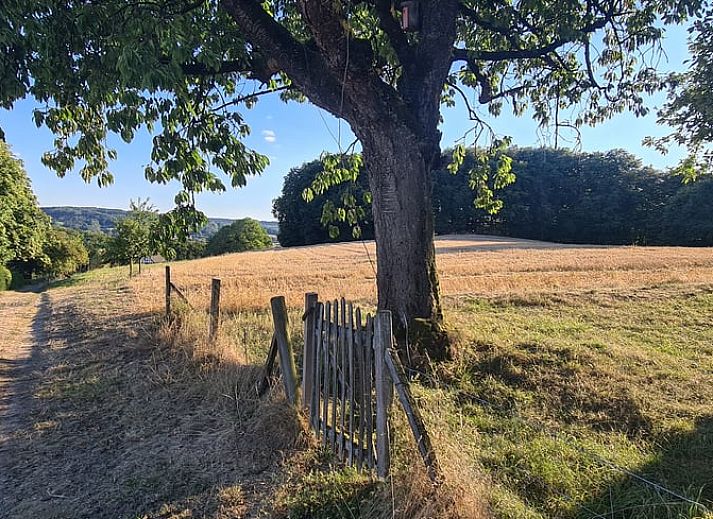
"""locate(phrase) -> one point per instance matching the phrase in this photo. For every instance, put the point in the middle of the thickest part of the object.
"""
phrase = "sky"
(290, 135)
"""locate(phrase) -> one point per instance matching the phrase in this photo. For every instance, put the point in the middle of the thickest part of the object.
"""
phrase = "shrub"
(5, 278)
(242, 235)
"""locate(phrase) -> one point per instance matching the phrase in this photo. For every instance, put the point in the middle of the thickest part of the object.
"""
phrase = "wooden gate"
(346, 389)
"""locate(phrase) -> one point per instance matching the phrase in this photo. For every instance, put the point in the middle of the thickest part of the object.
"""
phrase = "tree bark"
(400, 183)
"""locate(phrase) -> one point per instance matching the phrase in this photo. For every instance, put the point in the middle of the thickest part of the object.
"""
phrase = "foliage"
(559, 195)
(104, 220)
(97, 244)
(242, 235)
(23, 226)
(93, 219)
(134, 234)
(5, 278)
(301, 218)
(688, 108)
(191, 249)
(65, 251)
(687, 218)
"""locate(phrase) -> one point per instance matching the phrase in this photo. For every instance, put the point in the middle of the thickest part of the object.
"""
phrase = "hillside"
(104, 219)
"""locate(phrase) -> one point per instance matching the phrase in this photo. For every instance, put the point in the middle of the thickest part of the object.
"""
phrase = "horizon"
(127, 210)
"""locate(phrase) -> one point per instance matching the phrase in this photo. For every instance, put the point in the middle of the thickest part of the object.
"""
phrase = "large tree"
(689, 109)
(184, 68)
(23, 225)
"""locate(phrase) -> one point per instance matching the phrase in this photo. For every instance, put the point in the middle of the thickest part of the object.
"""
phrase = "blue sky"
(291, 134)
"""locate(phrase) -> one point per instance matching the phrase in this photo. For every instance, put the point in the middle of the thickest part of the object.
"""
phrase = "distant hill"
(104, 220)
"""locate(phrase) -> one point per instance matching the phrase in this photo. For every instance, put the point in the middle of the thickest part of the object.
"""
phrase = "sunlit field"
(473, 265)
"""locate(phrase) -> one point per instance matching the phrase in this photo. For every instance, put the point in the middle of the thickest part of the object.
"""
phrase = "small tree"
(241, 235)
(134, 235)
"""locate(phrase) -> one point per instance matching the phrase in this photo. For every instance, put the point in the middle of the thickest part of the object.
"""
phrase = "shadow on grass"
(120, 424)
(536, 391)
(683, 465)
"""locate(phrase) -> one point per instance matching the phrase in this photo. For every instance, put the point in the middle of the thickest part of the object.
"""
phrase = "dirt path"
(23, 318)
(99, 419)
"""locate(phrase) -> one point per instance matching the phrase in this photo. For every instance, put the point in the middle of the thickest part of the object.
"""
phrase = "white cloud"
(269, 136)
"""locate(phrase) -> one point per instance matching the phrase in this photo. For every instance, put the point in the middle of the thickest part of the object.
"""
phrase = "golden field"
(468, 265)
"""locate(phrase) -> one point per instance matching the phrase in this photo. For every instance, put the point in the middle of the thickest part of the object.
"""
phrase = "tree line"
(32, 248)
(607, 198)
(29, 245)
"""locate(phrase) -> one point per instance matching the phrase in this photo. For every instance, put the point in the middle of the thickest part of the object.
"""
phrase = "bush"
(5, 278)
(242, 235)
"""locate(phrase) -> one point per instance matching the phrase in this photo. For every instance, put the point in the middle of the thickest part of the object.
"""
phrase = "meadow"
(581, 383)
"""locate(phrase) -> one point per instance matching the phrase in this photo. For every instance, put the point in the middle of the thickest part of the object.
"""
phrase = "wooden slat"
(308, 351)
(326, 365)
(352, 381)
(418, 427)
(348, 445)
(287, 361)
(343, 372)
(335, 369)
(369, 388)
(318, 355)
(361, 379)
(382, 342)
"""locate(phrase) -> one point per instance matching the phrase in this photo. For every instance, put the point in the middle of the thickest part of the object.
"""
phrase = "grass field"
(576, 367)
(581, 387)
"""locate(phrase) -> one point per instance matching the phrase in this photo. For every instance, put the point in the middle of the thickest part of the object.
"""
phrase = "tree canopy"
(65, 251)
(185, 69)
(23, 225)
(135, 235)
(303, 223)
(606, 198)
(689, 109)
(241, 235)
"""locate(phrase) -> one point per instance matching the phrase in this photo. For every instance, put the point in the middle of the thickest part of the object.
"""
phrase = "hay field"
(568, 361)
(468, 265)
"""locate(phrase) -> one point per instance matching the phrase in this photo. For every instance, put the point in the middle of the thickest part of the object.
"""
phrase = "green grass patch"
(568, 402)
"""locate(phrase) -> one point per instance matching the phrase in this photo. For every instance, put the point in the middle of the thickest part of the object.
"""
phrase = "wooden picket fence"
(349, 372)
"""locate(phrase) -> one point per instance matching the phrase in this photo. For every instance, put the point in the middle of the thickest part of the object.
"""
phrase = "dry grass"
(606, 347)
(477, 265)
(557, 333)
(129, 417)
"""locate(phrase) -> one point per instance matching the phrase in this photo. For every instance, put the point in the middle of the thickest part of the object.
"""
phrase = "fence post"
(382, 343)
(168, 290)
(214, 309)
(282, 337)
(309, 352)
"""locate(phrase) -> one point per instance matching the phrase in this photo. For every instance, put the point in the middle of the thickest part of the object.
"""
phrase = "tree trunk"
(131, 267)
(407, 279)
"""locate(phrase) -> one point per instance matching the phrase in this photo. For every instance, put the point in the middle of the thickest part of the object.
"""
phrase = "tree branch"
(392, 29)
(303, 63)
